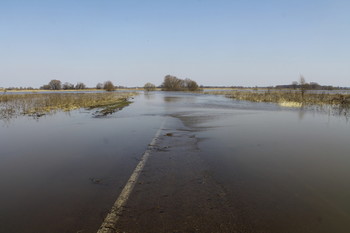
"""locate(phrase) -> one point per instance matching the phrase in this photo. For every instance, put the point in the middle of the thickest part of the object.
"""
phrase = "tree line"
(303, 85)
(55, 84)
(172, 83)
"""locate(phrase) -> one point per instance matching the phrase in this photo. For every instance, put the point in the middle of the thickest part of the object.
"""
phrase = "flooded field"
(282, 169)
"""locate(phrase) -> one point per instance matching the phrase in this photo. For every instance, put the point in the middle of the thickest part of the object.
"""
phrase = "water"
(62, 173)
(287, 174)
(287, 170)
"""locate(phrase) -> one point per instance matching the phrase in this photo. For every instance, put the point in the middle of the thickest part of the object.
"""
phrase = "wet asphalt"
(176, 192)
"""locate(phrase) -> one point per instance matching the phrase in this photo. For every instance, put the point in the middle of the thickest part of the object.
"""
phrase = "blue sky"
(132, 42)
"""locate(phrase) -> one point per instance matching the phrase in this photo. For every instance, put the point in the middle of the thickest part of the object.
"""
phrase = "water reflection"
(183, 99)
(149, 95)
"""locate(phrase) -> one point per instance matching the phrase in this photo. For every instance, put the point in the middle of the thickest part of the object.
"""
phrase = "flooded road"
(219, 166)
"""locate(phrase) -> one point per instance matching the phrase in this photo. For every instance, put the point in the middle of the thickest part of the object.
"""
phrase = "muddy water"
(286, 170)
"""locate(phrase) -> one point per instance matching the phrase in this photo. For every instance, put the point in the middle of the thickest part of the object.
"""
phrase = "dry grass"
(290, 99)
(41, 104)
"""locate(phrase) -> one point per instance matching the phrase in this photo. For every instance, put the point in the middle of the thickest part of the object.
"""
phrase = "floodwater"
(286, 169)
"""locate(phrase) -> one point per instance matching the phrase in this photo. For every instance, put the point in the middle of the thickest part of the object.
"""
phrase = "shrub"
(99, 86)
(108, 86)
(172, 83)
(80, 86)
(149, 87)
(55, 84)
(67, 86)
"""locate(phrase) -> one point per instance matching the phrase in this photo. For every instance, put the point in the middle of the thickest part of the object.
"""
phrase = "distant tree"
(80, 86)
(190, 85)
(55, 84)
(99, 86)
(67, 86)
(294, 84)
(45, 87)
(172, 83)
(149, 87)
(314, 86)
(303, 85)
(108, 86)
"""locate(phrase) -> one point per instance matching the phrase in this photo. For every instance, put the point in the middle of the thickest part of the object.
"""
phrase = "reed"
(41, 104)
(288, 98)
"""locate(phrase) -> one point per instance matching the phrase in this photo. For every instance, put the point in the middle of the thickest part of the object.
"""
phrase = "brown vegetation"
(149, 87)
(37, 105)
(303, 98)
(108, 86)
(172, 83)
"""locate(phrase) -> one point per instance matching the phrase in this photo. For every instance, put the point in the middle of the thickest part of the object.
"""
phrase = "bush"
(191, 85)
(99, 86)
(172, 83)
(108, 86)
(149, 87)
(80, 86)
(55, 84)
(67, 86)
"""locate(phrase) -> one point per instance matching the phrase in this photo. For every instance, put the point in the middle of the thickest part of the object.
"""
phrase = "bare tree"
(80, 86)
(172, 83)
(45, 87)
(190, 85)
(55, 84)
(149, 87)
(108, 86)
(99, 86)
(67, 86)
(302, 84)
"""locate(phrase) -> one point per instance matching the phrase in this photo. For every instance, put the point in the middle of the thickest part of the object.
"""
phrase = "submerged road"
(217, 165)
(177, 162)
(171, 190)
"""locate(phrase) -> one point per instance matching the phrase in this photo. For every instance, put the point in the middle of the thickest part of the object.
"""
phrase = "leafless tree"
(190, 85)
(67, 86)
(108, 86)
(149, 87)
(303, 86)
(55, 84)
(99, 86)
(80, 86)
(172, 83)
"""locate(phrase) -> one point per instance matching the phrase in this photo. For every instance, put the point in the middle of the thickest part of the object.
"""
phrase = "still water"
(287, 170)
(62, 173)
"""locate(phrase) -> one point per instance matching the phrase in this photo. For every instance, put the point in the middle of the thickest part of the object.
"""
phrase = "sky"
(214, 42)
